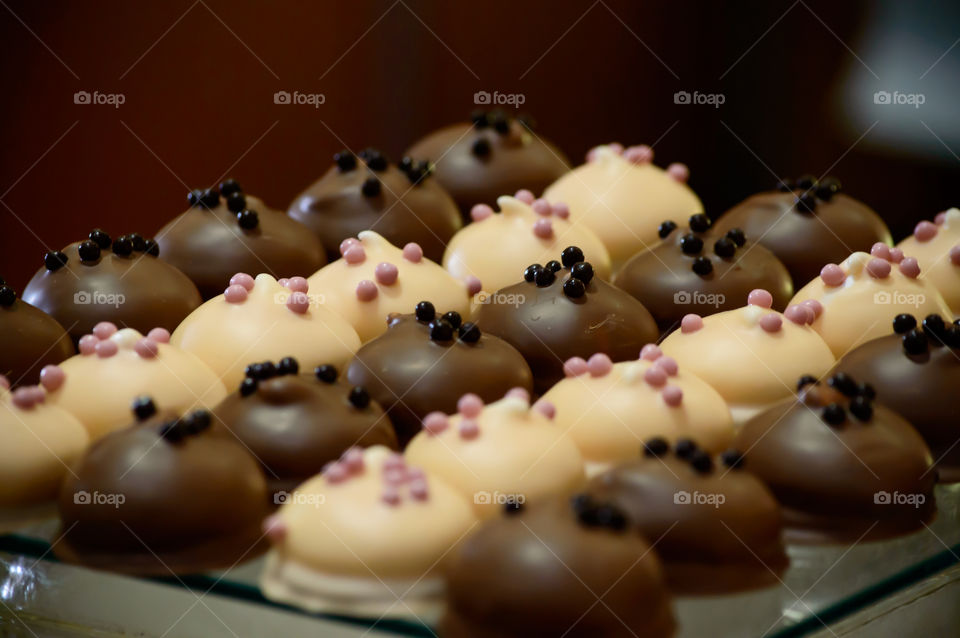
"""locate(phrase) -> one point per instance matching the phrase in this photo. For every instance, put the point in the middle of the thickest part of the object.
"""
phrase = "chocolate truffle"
(916, 373)
(561, 311)
(538, 571)
(119, 280)
(219, 236)
(294, 424)
(718, 526)
(843, 467)
(493, 155)
(366, 192)
(29, 339)
(426, 361)
(807, 223)
(699, 270)
(164, 495)
(936, 246)
(623, 197)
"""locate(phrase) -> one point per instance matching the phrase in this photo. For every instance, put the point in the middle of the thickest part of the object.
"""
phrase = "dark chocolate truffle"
(29, 340)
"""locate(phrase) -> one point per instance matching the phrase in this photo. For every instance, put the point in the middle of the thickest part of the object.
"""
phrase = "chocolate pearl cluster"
(575, 285)
(841, 386)
(209, 198)
(499, 121)
(934, 331)
(692, 244)
(189, 425)
(376, 162)
(92, 248)
(809, 191)
(443, 327)
(593, 513)
(687, 450)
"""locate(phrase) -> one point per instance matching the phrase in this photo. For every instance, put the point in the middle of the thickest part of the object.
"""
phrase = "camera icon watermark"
(899, 99)
(84, 497)
(684, 497)
(98, 98)
(896, 498)
(298, 498)
(298, 98)
(315, 299)
(497, 497)
(898, 298)
(97, 298)
(501, 298)
(699, 99)
(695, 297)
(486, 98)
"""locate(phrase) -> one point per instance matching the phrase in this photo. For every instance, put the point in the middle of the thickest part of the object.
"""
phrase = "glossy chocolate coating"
(29, 340)
(538, 573)
(806, 241)
(189, 505)
(515, 160)
(664, 280)
(296, 424)
(706, 547)
(830, 479)
(411, 374)
(409, 206)
(154, 293)
(209, 246)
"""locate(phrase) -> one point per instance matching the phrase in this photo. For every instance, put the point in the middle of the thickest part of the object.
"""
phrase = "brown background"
(199, 79)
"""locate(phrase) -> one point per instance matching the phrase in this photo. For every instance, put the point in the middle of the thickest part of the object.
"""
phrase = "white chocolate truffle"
(936, 246)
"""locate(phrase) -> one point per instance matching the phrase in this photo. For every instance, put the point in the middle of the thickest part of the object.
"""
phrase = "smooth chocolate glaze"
(297, 423)
(702, 271)
(539, 570)
(719, 527)
(807, 224)
(192, 500)
(426, 361)
(29, 339)
(842, 467)
(400, 202)
(217, 238)
(561, 312)
(492, 156)
(119, 280)
(916, 371)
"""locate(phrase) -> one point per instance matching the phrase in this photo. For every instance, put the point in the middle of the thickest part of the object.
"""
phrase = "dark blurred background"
(198, 78)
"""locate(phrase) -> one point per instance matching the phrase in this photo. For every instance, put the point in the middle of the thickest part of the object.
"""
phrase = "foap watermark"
(695, 297)
(100, 99)
(97, 298)
(897, 298)
(299, 498)
(897, 498)
(497, 497)
(298, 98)
(314, 298)
(684, 497)
(501, 298)
(84, 497)
(699, 99)
(486, 98)
(899, 99)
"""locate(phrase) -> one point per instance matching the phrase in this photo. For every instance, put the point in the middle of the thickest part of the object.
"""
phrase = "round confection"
(610, 409)
(496, 247)
(219, 236)
(623, 197)
(163, 495)
(842, 467)
(294, 424)
(936, 247)
(115, 367)
(699, 270)
(863, 293)
(562, 311)
(916, 372)
(752, 355)
(806, 224)
(718, 527)
(264, 319)
(368, 529)
(29, 339)
(505, 452)
(493, 155)
(400, 202)
(374, 278)
(119, 280)
(428, 360)
(538, 571)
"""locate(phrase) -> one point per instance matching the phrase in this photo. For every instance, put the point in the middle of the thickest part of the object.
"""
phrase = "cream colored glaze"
(934, 258)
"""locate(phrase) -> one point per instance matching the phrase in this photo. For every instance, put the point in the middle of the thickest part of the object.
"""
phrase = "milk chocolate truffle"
(118, 280)
(495, 247)
(752, 355)
(374, 278)
(428, 360)
(699, 270)
(367, 192)
(609, 409)
(294, 424)
(538, 570)
(493, 155)
(807, 223)
(561, 310)
(368, 538)
(936, 247)
(265, 319)
(864, 292)
(916, 372)
(163, 495)
(116, 366)
(718, 526)
(843, 466)
(29, 339)
(219, 236)
(623, 197)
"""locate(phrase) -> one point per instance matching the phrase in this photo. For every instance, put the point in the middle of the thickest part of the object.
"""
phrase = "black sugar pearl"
(480, 148)
(806, 203)
(288, 365)
(266, 370)
(685, 448)
(786, 185)
(844, 384)
(934, 327)
(610, 517)
(553, 265)
(376, 162)
(326, 373)
(732, 459)
(574, 288)
(691, 244)
(469, 332)
(903, 323)
(359, 397)
(699, 223)
(951, 337)
(502, 126)
(139, 243)
(406, 164)
(806, 380)
(582, 271)
(479, 119)
(425, 311)
(496, 118)
(657, 446)
(453, 318)
(236, 202)
(834, 414)
(54, 260)
(89, 251)
(248, 219)
(197, 421)
(346, 161)
(371, 187)
(143, 408)
(247, 387)
(440, 330)
(171, 431)
(122, 246)
(806, 181)
(701, 462)
(581, 502)
(512, 508)
(829, 187)
(702, 266)
(571, 255)
(229, 187)
(530, 274)
(866, 390)
(250, 371)
(545, 277)
(737, 236)
(860, 408)
(195, 196)
(724, 247)
(151, 247)
(7, 296)
(210, 198)
(915, 342)
(666, 228)
(101, 238)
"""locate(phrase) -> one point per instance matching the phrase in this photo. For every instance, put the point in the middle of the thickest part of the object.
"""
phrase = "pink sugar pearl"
(106, 349)
(668, 365)
(335, 472)
(574, 367)
(347, 243)
(541, 207)
(413, 253)
(386, 273)
(435, 423)
(235, 294)
(940, 218)
(160, 335)
(760, 297)
(543, 228)
(367, 290)
(896, 255)
(298, 302)
(243, 279)
(104, 329)
(480, 212)
(352, 460)
(470, 405)
(524, 196)
(691, 323)
(672, 396)
(88, 344)
(878, 268)
(390, 495)
(52, 378)
(518, 393)
(274, 528)
(910, 267)
(651, 352)
(815, 307)
(955, 255)
(925, 231)
(546, 408)
(655, 376)
(561, 210)
(615, 147)
(474, 285)
(799, 314)
(298, 284)
(393, 461)
(679, 172)
(832, 275)
(468, 429)
(4, 382)
(283, 281)
(146, 348)
(599, 365)
(880, 250)
(771, 322)
(23, 398)
(641, 154)
(419, 490)
(355, 254)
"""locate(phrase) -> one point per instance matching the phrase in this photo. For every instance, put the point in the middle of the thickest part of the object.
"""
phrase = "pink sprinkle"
(106, 349)
(672, 396)
(5, 382)
(419, 490)
(910, 267)
(395, 475)
(815, 306)
(518, 393)
(546, 408)
(879, 268)
(541, 207)
(23, 398)
(412, 252)
(668, 365)
(474, 285)
(88, 344)
(925, 231)
(104, 329)
(235, 294)
(469, 429)
(355, 254)
(799, 314)
(367, 290)
(940, 218)
(543, 228)
(160, 335)
(386, 273)
(525, 196)
(51, 378)
(760, 297)
(335, 472)
(691, 323)
(394, 461)
(641, 154)
(390, 495)
(435, 423)
(679, 172)
(298, 302)
(651, 352)
(561, 210)
(480, 212)
(655, 376)
(470, 405)
(832, 275)
(347, 243)
(416, 474)
(599, 365)
(297, 284)
(146, 348)
(880, 250)
(592, 154)
(283, 281)
(243, 279)
(352, 460)
(274, 528)
(955, 255)
(896, 255)
(574, 367)
(771, 322)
